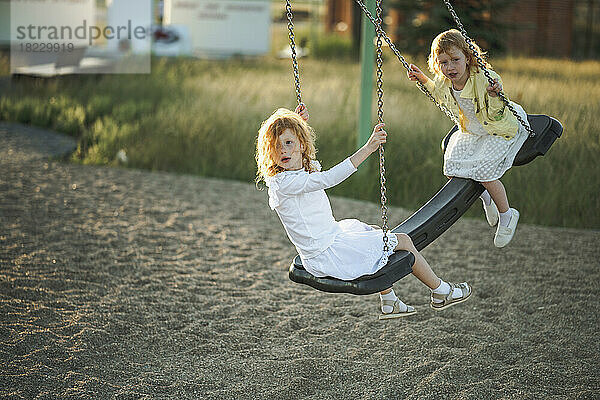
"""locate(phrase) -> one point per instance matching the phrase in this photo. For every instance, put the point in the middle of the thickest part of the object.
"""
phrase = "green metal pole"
(314, 23)
(367, 55)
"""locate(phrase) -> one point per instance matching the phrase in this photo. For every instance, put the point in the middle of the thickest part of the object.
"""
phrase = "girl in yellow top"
(489, 135)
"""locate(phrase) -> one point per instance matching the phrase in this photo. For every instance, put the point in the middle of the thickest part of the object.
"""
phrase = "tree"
(422, 20)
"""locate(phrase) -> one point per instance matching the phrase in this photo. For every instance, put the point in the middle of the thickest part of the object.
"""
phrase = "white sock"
(391, 296)
(505, 217)
(444, 288)
(487, 199)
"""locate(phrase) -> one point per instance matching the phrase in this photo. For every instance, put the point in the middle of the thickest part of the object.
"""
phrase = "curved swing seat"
(547, 130)
(432, 219)
(399, 265)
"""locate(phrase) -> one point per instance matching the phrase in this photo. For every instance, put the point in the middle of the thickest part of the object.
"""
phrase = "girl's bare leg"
(421, 268)
(498, 193)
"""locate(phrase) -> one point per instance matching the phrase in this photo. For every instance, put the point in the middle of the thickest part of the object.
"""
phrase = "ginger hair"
(444, 42)
(268, 137)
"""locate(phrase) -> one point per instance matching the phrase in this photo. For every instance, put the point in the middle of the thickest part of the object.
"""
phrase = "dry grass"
(201, 117)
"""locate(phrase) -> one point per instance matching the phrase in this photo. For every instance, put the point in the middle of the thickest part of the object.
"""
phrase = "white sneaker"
(504, 234)
(491, 212)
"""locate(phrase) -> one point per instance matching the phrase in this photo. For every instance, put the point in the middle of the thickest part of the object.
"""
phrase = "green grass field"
(201, 117)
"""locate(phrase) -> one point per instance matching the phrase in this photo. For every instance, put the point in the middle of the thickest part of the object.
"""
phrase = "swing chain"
(288, 8)
(406, 65)
(481, 63)
(379, 59)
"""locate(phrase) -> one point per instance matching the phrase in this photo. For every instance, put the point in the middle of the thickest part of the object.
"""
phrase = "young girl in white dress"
(489, 135)
(346, 249)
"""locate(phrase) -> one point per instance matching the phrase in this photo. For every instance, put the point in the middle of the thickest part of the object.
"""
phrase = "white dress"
(345, 249)
(477, 155)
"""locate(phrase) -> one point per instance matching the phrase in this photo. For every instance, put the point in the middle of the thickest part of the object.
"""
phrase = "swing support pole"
(366, 76)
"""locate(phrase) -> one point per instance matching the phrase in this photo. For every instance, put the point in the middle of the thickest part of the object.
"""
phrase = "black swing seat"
(547, 130)
(399, 265)
(432, 219)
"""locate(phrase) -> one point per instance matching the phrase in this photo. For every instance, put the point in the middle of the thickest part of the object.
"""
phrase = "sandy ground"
(126, 284)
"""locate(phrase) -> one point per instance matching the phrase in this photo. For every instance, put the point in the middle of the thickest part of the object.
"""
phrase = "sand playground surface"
(127, 284)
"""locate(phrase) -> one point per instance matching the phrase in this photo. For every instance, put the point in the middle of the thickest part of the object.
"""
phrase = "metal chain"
(406, 65)
(481, 64)
(288, 7)
(384, 218)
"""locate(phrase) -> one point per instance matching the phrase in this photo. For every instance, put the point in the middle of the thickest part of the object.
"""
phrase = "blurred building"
(536, 27)
(223, 28)
(543, 28)
(339, 16)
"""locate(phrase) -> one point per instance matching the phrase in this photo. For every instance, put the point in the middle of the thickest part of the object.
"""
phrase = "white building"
(223, 28)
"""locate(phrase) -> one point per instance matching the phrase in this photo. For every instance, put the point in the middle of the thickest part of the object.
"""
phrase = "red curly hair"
(268, 136)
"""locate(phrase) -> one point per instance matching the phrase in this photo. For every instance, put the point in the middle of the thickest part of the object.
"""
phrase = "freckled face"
(454, 66)
(289, 151)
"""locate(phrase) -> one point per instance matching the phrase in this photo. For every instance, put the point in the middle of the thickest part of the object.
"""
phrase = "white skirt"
(356, 251)
(483, 158)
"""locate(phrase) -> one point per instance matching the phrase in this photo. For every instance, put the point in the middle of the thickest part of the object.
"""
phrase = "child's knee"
(404, 242)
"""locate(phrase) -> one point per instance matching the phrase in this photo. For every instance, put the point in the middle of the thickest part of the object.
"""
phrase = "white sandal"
(396, 313)
(447, 300)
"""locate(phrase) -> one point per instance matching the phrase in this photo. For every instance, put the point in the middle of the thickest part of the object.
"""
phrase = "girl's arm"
(289, 184)
(378, 137)
(494, 89)
(496, 105)
(303, 183)
(415, 74)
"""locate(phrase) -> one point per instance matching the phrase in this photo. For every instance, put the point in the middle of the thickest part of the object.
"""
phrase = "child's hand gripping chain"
(494, 89)
(302, 110)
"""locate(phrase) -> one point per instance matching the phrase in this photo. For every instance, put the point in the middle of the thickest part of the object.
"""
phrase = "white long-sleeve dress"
(345, 249)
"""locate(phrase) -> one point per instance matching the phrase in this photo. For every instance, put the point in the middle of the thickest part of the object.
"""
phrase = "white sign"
(133, 19)
(224, 27)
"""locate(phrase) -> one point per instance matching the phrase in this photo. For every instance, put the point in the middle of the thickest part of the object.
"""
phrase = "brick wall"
(339, 16)
(541, 28)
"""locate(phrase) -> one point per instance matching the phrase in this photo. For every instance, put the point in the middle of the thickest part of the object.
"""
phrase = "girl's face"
(289, 151)
(454, 66)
